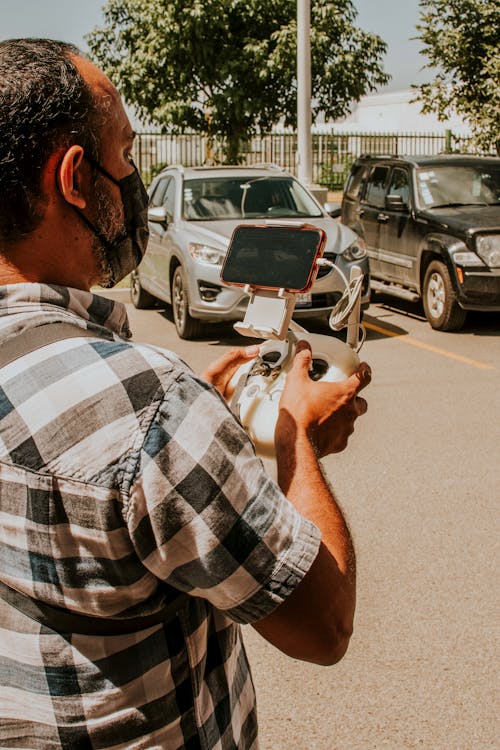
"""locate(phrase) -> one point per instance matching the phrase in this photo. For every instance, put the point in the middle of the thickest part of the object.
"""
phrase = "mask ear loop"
(79, 211)
(95, 165)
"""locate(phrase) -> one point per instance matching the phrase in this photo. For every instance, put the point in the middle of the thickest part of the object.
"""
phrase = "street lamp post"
(304, 92)
(304, 151)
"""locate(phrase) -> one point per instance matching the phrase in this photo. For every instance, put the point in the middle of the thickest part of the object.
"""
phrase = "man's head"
(44, 104)
(65, 168)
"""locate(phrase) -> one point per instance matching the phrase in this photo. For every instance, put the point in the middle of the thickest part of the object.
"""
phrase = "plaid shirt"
(124, 479)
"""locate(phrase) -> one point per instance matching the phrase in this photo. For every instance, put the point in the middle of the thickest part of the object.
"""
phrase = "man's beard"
(109, 222)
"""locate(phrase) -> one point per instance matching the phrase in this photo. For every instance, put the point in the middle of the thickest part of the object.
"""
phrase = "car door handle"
(383, 218)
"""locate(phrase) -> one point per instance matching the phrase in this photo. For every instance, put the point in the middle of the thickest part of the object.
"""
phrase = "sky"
(71, 20)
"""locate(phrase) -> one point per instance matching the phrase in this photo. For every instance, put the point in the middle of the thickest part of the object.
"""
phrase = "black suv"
(432, 229)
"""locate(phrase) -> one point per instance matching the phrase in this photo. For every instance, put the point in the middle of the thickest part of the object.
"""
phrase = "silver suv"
(192, 214)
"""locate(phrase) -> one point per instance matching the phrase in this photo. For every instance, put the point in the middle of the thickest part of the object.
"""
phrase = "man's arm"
(315, 622)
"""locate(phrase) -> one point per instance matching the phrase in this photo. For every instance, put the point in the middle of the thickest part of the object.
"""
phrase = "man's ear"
(70, 178)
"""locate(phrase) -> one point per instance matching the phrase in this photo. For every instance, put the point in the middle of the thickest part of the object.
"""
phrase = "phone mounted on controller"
(274, 262)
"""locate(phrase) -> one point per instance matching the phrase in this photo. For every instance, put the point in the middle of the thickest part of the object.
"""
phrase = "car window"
(375, 188)
(458, 185)
(169, 199)
(399, 184)
(240, 197)
(158, 195)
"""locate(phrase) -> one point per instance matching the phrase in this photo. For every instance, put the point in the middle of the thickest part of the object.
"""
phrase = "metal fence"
(332, 153)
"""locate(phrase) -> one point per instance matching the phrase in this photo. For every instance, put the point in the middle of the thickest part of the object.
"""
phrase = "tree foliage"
(462, 39)
(228, 67)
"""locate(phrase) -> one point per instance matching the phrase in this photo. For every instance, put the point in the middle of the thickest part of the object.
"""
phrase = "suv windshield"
(458, 186)
(221, 198)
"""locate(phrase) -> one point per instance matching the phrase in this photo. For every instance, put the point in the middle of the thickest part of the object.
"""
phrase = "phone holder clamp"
(268, 314)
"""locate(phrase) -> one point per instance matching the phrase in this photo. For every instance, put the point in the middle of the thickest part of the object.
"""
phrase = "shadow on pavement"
(477, 323)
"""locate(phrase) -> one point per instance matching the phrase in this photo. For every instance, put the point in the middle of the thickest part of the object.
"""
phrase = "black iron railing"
(332, 153)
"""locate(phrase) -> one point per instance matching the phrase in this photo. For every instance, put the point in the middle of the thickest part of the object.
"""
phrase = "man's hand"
(324, 412)
(220, 372)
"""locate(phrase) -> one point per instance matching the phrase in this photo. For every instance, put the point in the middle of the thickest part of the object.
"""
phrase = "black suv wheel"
(440, 303)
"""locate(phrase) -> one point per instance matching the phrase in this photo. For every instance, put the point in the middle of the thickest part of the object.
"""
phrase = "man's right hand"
(324, 412)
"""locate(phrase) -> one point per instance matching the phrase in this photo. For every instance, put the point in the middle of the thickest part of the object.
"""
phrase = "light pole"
(304, 150)
(304, 92)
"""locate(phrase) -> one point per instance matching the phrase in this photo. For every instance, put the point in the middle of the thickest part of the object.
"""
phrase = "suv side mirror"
(158, 214)
(395, 203)
(333, 209)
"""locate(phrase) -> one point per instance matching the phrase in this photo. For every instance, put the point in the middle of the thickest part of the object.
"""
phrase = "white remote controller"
(259, 383)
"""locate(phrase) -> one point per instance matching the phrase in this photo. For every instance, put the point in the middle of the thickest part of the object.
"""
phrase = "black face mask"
(125, 252)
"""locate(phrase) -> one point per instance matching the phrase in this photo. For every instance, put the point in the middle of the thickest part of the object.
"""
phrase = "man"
(127, 488)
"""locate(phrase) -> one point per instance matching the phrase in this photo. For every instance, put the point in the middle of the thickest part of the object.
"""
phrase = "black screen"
(271, 257)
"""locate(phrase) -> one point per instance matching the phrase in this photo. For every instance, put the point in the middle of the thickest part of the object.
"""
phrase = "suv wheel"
(141, 299)
(186, 326)
(440, 302)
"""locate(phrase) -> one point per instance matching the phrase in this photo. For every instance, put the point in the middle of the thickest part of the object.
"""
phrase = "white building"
(393, 112)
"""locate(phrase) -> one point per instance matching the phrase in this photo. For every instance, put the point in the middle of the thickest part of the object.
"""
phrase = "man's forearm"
(315, 622)
(301, 478)
(316, 419)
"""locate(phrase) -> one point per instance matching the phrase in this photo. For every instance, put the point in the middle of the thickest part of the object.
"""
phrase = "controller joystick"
(319, 368)
(259, 383)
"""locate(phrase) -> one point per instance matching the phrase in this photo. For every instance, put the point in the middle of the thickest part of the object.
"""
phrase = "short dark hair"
(44, 104)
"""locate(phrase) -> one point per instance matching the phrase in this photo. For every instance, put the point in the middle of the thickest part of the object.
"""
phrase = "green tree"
(461, 39)
(227, 68)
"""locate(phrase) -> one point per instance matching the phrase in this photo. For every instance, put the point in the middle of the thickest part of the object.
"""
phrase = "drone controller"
(258, 384)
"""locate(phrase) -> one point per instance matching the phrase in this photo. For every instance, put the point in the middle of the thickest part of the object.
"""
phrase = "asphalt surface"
(420, 484)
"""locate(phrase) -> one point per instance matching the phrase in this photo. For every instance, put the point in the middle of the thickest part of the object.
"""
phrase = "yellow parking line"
(429, 347)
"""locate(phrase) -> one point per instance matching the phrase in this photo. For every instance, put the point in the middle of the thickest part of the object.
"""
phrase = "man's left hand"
(220, 372)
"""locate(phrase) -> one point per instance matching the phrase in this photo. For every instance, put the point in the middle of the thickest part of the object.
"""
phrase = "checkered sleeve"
(203, 514)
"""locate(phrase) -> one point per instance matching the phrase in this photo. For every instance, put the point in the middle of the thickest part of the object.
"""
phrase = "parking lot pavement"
(420, 483)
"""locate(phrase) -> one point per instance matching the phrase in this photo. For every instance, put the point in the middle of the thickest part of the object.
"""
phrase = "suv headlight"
(355, 251)
(488, 248)
(211, 256)
(463, 257)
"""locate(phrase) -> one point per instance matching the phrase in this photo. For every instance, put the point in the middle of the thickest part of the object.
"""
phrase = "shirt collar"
(52, 299)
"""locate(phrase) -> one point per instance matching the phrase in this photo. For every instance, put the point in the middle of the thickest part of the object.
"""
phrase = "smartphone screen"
(273, 257)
